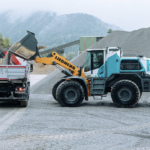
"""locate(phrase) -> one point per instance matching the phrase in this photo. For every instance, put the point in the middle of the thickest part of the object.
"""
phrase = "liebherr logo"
(64, 62)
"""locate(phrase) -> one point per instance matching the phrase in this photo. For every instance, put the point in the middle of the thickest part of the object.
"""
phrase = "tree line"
(5, 41)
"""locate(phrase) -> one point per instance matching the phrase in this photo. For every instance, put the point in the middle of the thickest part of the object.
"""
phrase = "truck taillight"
(20, 90)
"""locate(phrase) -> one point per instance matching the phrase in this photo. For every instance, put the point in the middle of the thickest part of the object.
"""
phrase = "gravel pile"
(134, 43)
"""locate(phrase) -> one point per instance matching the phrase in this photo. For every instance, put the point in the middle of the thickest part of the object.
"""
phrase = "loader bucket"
(26, 48)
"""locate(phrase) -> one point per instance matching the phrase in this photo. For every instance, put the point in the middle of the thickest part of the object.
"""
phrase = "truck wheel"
(125, 93)
(25, 102)
(70, 93)
(55, 88)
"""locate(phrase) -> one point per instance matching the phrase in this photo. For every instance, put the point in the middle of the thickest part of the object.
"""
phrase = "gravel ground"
(98, 125)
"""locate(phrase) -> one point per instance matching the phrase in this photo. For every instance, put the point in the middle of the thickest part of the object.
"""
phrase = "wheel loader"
(105, 70)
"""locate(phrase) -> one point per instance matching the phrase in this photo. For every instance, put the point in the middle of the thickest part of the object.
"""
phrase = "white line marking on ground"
(10, 118)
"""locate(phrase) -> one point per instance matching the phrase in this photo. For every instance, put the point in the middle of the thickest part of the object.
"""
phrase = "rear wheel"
(55, 88)
(25, 102)
(70, 93)
(125, 93)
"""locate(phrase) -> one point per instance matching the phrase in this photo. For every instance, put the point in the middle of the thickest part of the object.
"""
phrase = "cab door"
(95, 59)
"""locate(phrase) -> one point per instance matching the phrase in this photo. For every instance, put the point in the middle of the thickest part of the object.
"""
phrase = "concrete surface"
(95, 125)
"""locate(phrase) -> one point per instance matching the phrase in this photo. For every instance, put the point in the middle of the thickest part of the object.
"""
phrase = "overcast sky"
(127, 14)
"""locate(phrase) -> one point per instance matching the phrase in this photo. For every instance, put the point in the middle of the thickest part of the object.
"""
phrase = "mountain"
(51, 29)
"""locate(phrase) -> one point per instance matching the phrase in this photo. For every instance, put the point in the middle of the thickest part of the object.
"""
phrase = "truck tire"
(70, 93)
(25, 102)
(125, 93)
(55, 88)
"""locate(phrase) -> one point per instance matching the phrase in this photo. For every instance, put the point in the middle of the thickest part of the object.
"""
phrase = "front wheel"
(55, 88)
(70, 93)
(125, 93)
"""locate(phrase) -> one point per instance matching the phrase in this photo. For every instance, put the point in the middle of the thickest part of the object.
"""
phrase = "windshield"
(87, 64)
(97, 60)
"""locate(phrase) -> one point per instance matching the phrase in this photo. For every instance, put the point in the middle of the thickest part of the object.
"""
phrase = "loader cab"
(97, 57)
(94, 60)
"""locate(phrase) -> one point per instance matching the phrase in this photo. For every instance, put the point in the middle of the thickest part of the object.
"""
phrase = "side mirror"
(31, 67)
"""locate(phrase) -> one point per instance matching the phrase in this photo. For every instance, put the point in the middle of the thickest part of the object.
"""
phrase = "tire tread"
(128, 82)
(55, 88)
(64, 85)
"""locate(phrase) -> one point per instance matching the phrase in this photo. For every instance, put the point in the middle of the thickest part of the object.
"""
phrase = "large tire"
(125, 93)
(140, 93)
(70, 93)
(55, 88)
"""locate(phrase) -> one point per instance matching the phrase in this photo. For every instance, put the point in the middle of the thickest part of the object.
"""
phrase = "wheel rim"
(70, 95)
(124, 94)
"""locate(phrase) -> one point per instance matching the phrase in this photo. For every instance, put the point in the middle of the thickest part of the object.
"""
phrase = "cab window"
(130, 65)
(87, 64)
(97, 59)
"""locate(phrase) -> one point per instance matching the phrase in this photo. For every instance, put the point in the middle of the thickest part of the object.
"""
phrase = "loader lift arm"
(56, 59)
(74, 71)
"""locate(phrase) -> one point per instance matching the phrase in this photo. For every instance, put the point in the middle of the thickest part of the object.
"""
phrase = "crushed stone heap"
(136, 42)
